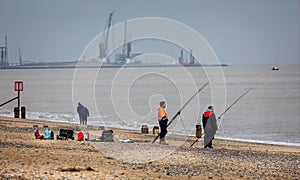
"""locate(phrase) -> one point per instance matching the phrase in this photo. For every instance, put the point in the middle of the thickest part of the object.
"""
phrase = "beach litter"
(125, 141)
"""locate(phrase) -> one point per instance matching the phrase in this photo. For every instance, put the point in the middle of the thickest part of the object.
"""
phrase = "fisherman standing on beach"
(210, 126)
(163, 122)
(83, 113)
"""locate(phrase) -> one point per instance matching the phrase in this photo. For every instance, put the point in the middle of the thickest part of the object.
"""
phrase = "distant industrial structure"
(4, 55)
(120, 58)
(186, 62)
(20, 56)
(126, 55)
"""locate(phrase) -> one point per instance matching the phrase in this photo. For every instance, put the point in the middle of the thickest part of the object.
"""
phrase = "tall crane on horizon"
(103, 46)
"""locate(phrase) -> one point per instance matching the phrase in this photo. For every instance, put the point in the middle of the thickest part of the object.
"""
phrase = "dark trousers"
(84, 120)
(163, 128)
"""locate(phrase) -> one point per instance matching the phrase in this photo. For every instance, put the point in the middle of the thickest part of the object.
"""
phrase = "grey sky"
(239, 31)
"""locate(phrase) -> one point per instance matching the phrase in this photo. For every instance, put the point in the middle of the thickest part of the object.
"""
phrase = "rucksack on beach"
(107, 136)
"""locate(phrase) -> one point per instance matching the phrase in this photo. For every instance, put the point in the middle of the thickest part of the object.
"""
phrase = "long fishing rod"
(178, 112)
(228, 109)
(235, 102)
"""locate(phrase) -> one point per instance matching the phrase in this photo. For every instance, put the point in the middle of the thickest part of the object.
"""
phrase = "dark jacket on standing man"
(83, 113)
(210, 126)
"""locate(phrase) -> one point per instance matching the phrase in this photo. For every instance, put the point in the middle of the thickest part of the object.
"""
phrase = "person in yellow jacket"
(163, 119)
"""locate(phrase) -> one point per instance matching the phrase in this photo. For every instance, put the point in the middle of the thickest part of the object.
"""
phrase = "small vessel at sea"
(275, 68)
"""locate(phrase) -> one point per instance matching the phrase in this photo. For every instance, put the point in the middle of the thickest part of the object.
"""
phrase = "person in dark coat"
(85, 115)
(79, 111)
(209, 122)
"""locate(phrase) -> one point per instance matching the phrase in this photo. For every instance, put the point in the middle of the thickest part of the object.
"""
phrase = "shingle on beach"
(23, 157)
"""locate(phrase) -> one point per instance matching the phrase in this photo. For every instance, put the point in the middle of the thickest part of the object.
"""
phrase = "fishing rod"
(178, 112)
(235, 102)
(228, 109)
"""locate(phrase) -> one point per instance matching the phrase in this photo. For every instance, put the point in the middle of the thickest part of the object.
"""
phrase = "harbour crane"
(103, 46)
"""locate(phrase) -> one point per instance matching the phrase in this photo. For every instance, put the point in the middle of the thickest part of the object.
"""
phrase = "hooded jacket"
(209, 122)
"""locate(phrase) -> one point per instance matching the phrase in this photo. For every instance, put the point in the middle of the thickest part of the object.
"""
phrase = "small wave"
(261, 141)
(4, 112)
(55, 117)
(47, 116)
(128, 125)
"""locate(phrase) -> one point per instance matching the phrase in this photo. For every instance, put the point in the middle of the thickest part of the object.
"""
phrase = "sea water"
(129, 98)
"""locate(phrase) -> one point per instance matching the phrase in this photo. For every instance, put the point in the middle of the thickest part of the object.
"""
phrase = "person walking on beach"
(210, 126)
(163, 122)
(83, 113)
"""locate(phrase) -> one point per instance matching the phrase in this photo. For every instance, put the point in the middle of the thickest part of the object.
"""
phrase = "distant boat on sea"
(275, 68)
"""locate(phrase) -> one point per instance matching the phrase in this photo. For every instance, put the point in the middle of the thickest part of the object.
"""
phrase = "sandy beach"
(24, 157)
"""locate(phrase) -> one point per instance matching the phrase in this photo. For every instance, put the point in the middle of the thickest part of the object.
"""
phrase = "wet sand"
(23, 157)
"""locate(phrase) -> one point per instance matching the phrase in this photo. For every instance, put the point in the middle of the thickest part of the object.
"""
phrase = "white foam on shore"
(52, 117)
(73, 118)
(260, 141)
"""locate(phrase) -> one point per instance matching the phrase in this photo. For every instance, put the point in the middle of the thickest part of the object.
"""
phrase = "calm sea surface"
(129, 97)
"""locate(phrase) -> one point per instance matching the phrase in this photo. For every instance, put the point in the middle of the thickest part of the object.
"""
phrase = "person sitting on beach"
(163, 122)
(210, 126)
(47, 134)
(38, 135)
(51, 135)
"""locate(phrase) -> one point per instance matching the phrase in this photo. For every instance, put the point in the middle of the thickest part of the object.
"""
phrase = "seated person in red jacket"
(38, 135)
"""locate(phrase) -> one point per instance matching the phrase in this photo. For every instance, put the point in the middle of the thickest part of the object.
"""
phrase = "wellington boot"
(163, 143)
